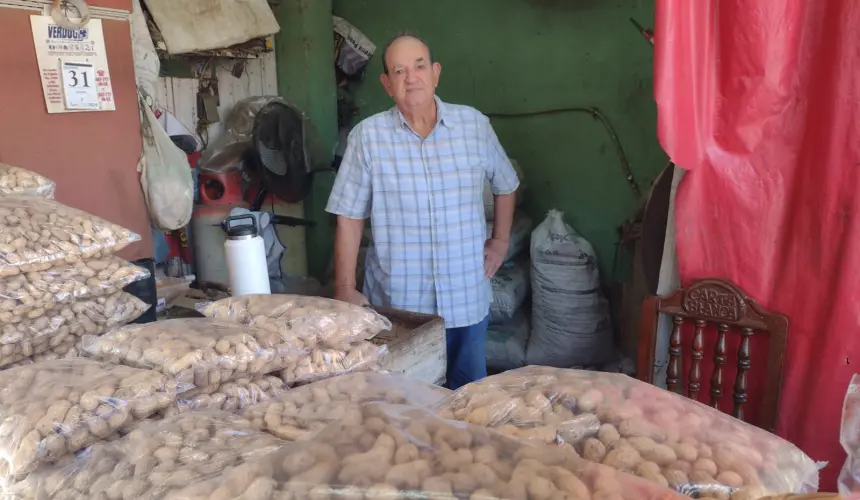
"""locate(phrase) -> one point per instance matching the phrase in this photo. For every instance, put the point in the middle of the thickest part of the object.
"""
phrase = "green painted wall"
(306, 78)
(510, 56)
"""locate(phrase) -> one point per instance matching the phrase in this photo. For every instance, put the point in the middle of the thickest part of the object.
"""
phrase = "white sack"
(570, 317)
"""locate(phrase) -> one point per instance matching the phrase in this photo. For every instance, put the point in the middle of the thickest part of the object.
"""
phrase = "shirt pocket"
(462, 186)
(400, 190)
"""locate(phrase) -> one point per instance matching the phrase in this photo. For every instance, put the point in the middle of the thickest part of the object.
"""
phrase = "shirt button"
(435, 219)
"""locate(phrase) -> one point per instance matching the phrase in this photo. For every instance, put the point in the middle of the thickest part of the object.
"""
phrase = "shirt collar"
(442, 116)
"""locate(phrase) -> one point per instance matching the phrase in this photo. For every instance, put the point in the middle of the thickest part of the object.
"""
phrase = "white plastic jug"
(246, 257)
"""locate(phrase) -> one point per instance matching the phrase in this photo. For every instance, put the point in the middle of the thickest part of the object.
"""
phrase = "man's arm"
(347, 239)
(350, 200)
(503, 215)
(504, 182)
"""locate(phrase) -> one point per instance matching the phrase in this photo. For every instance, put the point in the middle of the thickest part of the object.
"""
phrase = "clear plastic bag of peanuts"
(632, 426)
(20, 181)
(319, 362)
(384, 451)
(52, 409)
(69, 348)
(298, 414)
(158, 456)
(331, 321)
(64, 323)
(37, 233)
(849, 437)
(112, 303)
(232, 396)
(58, 347)
(26, 295)
(200, 352)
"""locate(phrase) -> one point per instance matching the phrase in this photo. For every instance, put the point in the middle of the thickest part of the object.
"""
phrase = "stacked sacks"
(58, 278)
(507, 342)
(330, 336)
(248, 348)
(508, 333)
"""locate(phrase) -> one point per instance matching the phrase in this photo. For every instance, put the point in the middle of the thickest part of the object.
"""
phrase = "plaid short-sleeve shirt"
(424, 197)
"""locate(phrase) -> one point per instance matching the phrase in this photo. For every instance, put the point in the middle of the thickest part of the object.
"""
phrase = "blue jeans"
(467, 354)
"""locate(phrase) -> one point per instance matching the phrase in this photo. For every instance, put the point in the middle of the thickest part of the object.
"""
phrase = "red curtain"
(760, 101)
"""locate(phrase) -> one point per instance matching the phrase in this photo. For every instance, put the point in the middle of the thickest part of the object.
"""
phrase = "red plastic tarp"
(760, 101)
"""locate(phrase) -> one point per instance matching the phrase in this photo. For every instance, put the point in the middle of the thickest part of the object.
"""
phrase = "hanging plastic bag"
(224, 154)
(164, 174)
(352, 47)
(146, 62)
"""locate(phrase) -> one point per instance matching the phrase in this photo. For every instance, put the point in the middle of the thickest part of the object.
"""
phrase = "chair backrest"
(724, 305)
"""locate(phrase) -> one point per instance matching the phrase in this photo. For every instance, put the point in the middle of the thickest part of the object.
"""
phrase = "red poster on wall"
(760, 101)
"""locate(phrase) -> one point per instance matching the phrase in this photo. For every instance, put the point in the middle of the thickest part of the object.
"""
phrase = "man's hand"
(495, 251)
(352, 296)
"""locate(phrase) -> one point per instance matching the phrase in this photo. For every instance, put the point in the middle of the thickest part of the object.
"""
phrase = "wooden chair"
(726, 306)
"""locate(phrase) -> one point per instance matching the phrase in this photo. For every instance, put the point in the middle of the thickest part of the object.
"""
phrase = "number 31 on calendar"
(79, 85)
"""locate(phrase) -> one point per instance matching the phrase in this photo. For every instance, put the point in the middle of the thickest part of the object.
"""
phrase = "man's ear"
(437, 70)
(386, 83)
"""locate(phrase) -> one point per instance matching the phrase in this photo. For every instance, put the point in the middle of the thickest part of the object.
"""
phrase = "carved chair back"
(725, 306)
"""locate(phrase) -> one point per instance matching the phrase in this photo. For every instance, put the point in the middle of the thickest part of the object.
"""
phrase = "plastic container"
(245, 251)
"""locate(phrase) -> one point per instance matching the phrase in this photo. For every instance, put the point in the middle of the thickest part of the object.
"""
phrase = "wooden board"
(416, 345)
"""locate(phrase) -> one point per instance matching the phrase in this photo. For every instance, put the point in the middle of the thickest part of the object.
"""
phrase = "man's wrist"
(345, 287)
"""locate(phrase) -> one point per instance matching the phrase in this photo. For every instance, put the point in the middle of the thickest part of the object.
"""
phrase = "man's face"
(411, 80)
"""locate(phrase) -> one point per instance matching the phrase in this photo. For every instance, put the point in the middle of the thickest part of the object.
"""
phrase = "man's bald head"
(410, 76)
(399, 36)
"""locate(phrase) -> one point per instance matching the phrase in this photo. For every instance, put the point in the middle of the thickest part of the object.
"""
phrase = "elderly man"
(418, 171)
